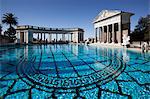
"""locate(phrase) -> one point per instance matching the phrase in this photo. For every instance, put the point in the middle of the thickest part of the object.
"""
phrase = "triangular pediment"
(105, 14)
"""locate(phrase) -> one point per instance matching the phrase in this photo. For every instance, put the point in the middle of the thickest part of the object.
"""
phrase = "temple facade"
(27, 34)
(111, 25)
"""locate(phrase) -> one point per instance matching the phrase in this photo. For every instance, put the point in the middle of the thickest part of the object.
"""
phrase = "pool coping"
(117, 46)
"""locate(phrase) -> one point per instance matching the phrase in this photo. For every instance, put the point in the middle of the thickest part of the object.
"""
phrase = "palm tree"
(9, 19)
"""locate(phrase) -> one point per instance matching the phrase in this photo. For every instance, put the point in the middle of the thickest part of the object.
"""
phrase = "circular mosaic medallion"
(98, 72)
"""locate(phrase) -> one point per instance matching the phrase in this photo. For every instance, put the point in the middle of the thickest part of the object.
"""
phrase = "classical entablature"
(106, 14)
(111, 25)
(27, 34)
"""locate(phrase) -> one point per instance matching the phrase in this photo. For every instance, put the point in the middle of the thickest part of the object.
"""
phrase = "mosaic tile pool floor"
(73, 72)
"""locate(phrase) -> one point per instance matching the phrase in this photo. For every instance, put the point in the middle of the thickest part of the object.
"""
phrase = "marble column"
(107, 33)
(96, 34)
(17, 36)
(50, 37)
(41, 37)
(24, 40)
(68, 37)
(100, 34)
(26, 37)
(56, 37)
(113, 34)
(120, 33)
(44, 37)
(79, 37)
(71, 37)
(63, 37)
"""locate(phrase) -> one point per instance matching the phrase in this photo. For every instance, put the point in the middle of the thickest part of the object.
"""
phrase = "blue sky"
(70, 13)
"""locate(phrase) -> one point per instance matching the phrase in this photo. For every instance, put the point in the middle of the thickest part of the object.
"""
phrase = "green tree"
(142, 30)
(11, 20)
(10, 33)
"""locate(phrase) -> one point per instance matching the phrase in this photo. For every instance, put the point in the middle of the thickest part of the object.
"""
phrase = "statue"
(126, 40)
(144, 47)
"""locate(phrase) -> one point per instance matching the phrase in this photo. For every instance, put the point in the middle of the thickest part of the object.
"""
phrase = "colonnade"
(110, 33)
(53, 37)
(26, 34)
(38, 37)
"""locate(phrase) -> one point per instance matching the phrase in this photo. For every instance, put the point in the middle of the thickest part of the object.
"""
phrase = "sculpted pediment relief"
(106, 13)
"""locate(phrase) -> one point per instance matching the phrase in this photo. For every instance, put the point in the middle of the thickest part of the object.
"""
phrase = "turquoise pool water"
(73, 72)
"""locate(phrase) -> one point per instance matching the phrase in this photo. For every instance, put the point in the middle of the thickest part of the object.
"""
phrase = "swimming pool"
(73, 71)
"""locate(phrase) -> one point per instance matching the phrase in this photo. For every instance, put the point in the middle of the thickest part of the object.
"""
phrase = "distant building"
(25, 34)
(111, 25)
